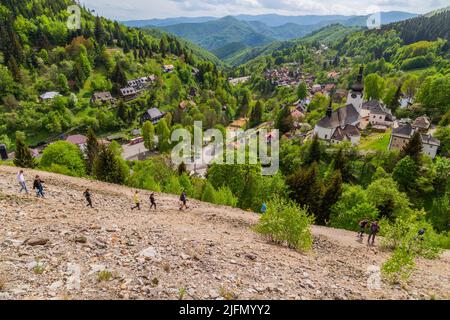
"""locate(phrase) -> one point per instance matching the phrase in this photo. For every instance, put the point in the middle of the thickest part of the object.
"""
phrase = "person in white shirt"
(22, 183)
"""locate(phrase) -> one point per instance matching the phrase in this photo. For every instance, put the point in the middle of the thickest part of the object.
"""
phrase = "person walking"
(137, 203)
(362, 227)
(87, 195)
(37, 185)
(152, 201)
(21, 179)
(374, 229)
(264, 208)
(183, 200)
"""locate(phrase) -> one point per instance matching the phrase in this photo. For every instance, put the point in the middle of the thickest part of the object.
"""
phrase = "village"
(344, 124)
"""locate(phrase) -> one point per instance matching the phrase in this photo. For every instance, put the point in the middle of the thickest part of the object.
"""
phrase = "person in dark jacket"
(362, 227)
(87, 195)
(37, 185)
(183, 200)
(374, 229)
(152, 201)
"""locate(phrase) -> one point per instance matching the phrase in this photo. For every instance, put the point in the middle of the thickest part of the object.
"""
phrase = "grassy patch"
(376, 141)
(104, 275)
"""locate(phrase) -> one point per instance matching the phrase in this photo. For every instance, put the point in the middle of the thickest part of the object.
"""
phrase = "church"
(345, 123)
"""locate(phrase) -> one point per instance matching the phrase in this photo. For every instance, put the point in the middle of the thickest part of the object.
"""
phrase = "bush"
(349, 219)
(225, 197)
(173, 186)
(399, 267)
(286, 222)
(64, 156)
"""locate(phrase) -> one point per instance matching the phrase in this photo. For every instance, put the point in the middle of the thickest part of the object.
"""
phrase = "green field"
(376, 141)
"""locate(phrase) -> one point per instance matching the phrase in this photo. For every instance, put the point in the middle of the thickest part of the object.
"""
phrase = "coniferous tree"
(182, 168)
(92, 149)
(331, 195)
(314, 152)
(99, 31)
(148, 132)
(23, 157)
(284, 120)
(256, 115)
(413, 148)
(302, 91)
(306, 187)
(107, 167)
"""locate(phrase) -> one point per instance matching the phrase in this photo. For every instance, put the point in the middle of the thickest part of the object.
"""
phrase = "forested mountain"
(276, 20)
(234, 39)
(428, 27)
(214, 35)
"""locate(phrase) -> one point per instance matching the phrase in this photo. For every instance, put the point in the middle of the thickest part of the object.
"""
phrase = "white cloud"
(146, 9)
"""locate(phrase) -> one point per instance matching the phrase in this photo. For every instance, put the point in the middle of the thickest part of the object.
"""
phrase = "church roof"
(347, 132)
(340, 117)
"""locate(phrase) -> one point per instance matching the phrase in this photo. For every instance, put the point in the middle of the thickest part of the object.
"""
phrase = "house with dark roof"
(376, 114)
(422, 123)
(128, 93)
(401, 136)
(348, 133)
(103, 97)
(154, 115)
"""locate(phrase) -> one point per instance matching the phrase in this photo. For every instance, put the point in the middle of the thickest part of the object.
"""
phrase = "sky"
(149, 9)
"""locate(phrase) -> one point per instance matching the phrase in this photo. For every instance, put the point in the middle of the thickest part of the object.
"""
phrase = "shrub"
(173, 186)
(349, 219)
(225, 197)
(63, 155)
(399, 267)
(287, 222)
(104, 275)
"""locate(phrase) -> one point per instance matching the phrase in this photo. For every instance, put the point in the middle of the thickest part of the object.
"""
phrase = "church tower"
(356, 94)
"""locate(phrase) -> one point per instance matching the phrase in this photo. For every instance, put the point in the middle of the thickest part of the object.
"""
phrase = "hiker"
(264, 208)
(87, 195)
(183, 200)
(374, 229)
(22, 183)
(362, 225)
(37, 185)
(152, 201)
(420, 234)
(137, 204)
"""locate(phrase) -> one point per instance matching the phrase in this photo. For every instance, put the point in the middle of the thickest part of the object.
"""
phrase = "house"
(422, 124)
(48, 96)
(142, 82)
(316, 88)
(329, 87)
(376, 114)
(235, 81)
(128, 93)
(153, 115)
(78, 140)
(401, 136)
(186, 104)
(238, 124)
(102, 97)
(168, 68)
(348, 133)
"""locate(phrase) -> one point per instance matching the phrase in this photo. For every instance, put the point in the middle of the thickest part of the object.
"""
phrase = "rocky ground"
(56, 248)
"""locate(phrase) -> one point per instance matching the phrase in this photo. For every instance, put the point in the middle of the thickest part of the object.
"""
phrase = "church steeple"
(358, 86)
(330, 108)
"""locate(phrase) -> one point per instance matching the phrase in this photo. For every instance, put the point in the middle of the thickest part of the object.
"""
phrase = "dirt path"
(208, 252)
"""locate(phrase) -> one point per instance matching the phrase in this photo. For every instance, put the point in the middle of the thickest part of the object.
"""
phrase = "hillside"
(213, 35)
(208, 252)
(428, 27)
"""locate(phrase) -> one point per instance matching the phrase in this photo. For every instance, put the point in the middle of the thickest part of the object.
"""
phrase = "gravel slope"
(56, 248)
